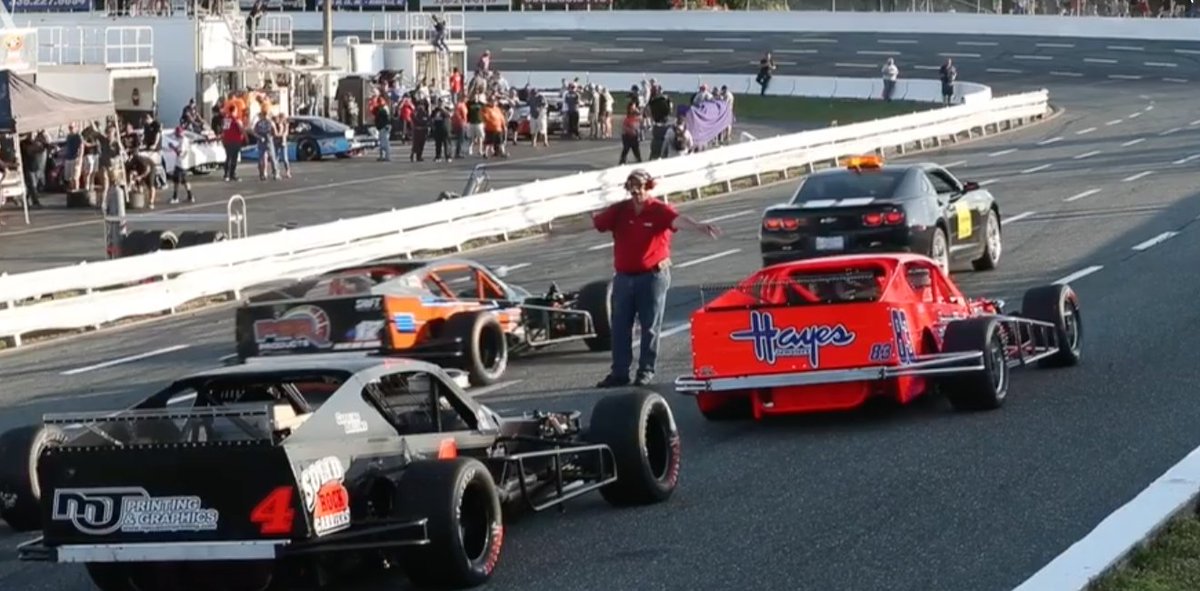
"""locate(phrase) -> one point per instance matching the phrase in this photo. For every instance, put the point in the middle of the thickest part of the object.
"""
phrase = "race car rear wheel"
(639, 427)
(20, 493)
(484, 346)
(460, 501)
(1058, 305)
(992, 244)
(595, 298)
(986, 389)
(308, 151)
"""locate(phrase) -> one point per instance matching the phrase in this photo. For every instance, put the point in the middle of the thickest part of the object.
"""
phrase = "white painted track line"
(641, 39)
(988, 182)
(1172, 130)
(1078, 274)
(1186, 159)
(728, 216)
(1085, 155)
(1037, 168)
(1056, 45)
(511, 268)
(1114, 122)
(1085, 131)
(1078, 196)
(1133, 142)
(138, 357)
(711, 257)
(1018, 217)
(1134, 177)
(674, 330)
(601, 246)
(1122, 531)
(1151, 243)
(1002, 152)
(955, 163)
(1053, 140)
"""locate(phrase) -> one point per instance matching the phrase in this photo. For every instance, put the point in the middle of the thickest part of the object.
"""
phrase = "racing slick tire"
(993, 245)
(640, 429)
(595, 298)
(1058, 305)
(20, 494)
(460, 501)
(986, 389)
(484, 346)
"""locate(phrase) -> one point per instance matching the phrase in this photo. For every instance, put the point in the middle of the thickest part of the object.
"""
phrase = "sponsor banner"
(48, 5)
(571, 3)
(325, 495)
(451, 4)
(102, 511)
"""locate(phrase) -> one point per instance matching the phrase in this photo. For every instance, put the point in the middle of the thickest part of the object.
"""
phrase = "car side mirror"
(970, 186)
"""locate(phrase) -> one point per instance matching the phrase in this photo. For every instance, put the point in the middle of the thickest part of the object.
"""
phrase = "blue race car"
(313, 138)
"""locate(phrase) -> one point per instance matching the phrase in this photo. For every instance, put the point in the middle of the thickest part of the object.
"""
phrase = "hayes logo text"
(771, 342)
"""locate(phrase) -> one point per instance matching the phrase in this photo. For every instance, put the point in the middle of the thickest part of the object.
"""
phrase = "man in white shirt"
(890, 73)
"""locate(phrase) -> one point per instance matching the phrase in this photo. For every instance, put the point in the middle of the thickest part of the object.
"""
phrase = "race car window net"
(847, 184)
(800, 288)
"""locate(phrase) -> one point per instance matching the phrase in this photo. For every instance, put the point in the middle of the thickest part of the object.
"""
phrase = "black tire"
(137, 242)
(466, 535)
(1058, 305)
(110, 576)
(936, 242)
(737, 408)
(639, 427)
(196, 238)
(484, 346)
(307, 151)
(992, 249)
(20, 494)
(595, 298)
(978, 390)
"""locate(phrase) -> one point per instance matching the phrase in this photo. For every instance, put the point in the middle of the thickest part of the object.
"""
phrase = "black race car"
(453, 312)
(866, 207)
(286, 472)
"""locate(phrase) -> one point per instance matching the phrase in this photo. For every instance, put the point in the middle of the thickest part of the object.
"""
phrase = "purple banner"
(18, 6)
(708, 119)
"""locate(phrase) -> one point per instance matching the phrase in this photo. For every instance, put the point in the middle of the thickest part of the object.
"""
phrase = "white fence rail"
(94, 294)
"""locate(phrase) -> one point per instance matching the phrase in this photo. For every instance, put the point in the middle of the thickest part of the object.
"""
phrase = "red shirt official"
(641, 240)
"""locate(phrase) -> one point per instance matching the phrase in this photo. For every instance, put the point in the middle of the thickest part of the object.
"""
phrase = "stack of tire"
(141, 242)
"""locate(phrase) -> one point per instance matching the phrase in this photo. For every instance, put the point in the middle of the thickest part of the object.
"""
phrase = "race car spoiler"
(384, 534)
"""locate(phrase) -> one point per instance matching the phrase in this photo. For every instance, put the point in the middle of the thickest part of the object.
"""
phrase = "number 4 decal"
(274, 514)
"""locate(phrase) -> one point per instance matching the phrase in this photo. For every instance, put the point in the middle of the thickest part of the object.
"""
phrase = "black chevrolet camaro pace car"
(865, 206)
(292, 472)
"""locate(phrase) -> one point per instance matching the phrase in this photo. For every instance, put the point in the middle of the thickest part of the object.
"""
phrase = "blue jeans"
(385, 142)
(643, 297)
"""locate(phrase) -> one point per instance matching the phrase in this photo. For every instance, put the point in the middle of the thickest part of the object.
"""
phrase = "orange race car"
(454, 312)
(832, 333)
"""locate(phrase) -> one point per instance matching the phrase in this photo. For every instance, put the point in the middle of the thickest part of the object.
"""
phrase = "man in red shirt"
(641, 227)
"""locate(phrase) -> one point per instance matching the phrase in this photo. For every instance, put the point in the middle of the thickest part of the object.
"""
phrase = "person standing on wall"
(948, 73)
(641, 227)
(890, 74)
(252, 19)
(766, 69)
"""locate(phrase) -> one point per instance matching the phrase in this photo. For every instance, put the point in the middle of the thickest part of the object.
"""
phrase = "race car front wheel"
(984, 389)
(20, 494)
(466, 534)
(1058, 305)
(484, 354)
(640, 429)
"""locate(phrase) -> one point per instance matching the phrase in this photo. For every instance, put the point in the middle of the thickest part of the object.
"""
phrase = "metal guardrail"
(117, 46)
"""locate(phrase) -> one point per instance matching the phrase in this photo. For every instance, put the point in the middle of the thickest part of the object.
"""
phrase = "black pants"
(658, 137)
(232, 152)
(764, 82)
(418, 143)
(441, 146)
(629, 143)
(573, 124)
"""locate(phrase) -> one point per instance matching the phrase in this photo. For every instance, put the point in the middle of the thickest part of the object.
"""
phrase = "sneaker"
(611, 381)
(644, 378)
(174, 201)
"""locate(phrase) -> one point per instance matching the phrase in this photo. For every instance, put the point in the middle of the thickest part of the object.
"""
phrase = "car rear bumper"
(925, 365)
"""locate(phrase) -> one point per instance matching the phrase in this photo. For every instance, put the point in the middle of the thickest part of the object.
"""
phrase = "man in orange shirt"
(493, 129)
(456, 85)
(458, 126)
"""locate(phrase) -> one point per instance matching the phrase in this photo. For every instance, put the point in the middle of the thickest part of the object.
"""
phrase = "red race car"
(830, 333)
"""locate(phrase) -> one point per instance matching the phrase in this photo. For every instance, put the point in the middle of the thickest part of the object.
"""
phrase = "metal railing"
(128, 47)
(416, 27)
(275, 30)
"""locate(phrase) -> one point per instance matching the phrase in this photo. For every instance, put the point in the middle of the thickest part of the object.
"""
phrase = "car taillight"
(886, 218)
(781, 224)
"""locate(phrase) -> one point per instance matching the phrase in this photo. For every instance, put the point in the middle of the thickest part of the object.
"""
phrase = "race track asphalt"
(916, 499)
